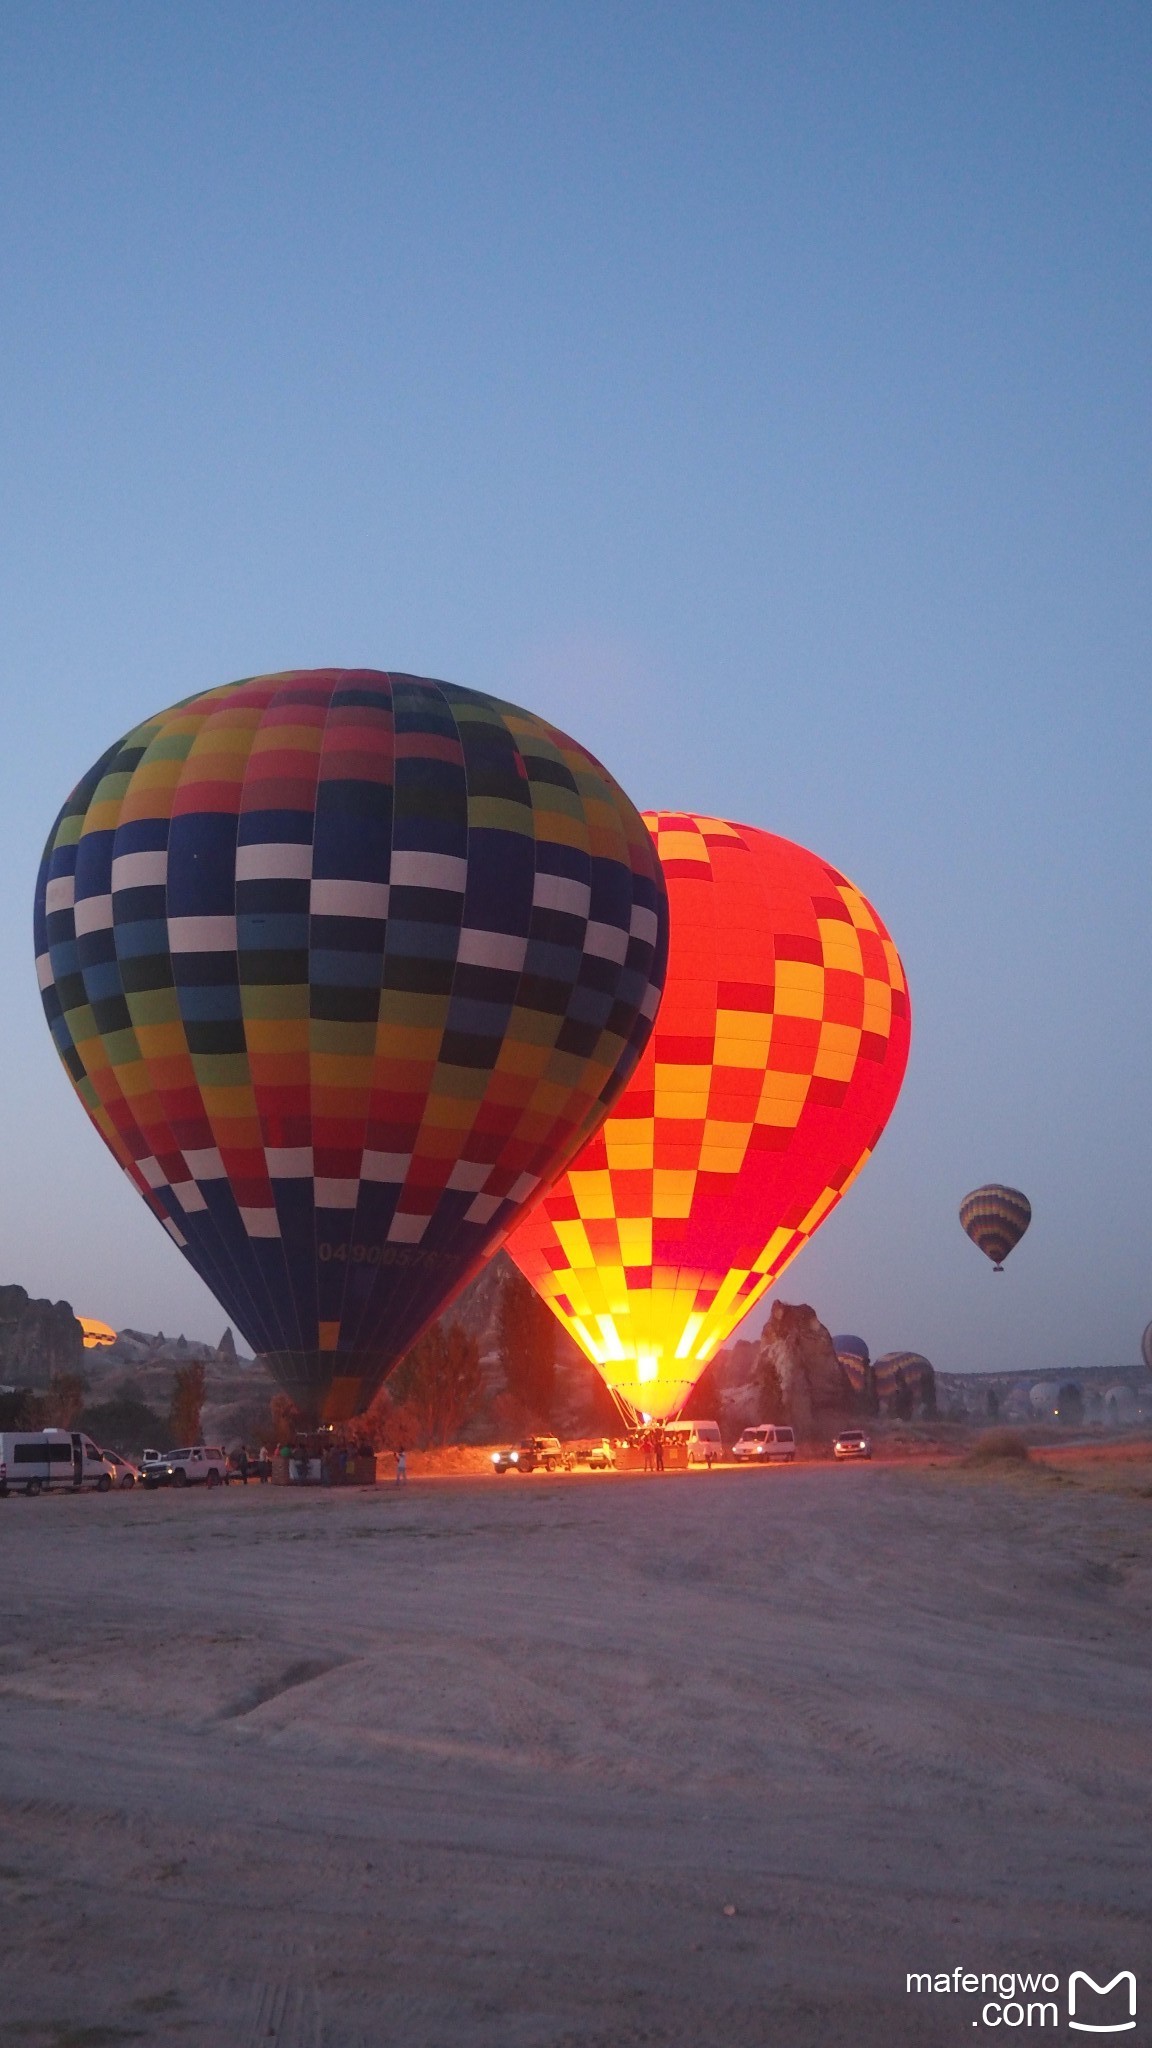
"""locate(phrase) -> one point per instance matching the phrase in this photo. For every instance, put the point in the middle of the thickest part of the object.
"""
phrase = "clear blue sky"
(760, 391)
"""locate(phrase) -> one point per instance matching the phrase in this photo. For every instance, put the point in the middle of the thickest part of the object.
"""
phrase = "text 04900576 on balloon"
(778, 1054)
(344, 966)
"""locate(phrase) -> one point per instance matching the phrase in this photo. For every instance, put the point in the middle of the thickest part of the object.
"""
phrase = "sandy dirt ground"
(489, 1763)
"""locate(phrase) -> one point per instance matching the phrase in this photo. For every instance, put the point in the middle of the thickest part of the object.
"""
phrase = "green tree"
(437, 1388)
(19, 1409)
(287, 1419)
(65, 1398)
(526, 1332)
(125, 1421)
(189, 1386)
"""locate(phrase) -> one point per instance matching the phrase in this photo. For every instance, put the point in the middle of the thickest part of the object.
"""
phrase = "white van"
(702, 1440)
(768, 1443)
(33, 1459)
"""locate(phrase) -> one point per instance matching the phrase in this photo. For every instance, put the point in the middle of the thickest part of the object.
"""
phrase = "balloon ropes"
(778, 1054)
(995, 1218)
(344, 966)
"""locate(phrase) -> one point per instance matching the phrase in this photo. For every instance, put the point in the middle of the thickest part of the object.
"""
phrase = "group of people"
(253, 1466)
(652, 1445)
(333, 1460)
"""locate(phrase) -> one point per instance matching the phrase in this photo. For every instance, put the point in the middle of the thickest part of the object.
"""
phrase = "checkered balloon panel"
(777, 1057)
(344, 966)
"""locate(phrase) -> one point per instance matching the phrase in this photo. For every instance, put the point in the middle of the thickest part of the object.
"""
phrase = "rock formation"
(796, 1345)
(39, 1340)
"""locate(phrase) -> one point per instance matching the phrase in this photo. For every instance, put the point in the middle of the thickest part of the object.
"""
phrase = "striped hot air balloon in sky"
(344, 966)
(778, 1054)
(995, 1218)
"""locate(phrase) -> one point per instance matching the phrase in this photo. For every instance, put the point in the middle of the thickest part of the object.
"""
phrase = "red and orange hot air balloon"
(778, 1053)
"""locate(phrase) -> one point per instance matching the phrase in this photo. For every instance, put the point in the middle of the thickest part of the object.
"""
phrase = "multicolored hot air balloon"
(344, 966)
(855, 1358)
(777, 1057)
(995, 1218)
(904, 1372)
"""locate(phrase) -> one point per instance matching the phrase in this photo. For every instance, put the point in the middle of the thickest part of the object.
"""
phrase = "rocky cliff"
(38, 1339)
(812, 1382)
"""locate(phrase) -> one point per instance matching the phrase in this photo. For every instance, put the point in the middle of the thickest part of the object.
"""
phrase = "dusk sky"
(761, 392)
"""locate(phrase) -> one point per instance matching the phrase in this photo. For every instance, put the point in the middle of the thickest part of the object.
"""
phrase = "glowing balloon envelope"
(97, 1335)
(343, 966)
(995, 1218)
(777, 1057)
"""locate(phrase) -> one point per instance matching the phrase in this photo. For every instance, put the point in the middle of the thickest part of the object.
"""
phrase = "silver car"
(124, 1472)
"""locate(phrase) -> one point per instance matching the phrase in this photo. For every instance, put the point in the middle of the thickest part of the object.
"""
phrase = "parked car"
(531, 1454)
(124, 1472)
(852, 1443)
(194, 1465)
(597, 1452)
(768, 1443)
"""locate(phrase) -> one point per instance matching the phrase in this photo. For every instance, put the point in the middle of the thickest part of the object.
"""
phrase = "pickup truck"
(194, 1465)
(531, 1454)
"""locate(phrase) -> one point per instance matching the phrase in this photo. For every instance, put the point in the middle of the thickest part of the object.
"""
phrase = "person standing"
(401, 1467)
(658, 1448)
(242, 1464)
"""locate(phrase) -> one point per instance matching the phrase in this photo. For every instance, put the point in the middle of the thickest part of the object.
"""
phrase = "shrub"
(999, 1447)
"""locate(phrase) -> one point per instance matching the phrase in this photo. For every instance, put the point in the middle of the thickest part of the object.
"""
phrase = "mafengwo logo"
(1030, 1998)
(1080, 1983)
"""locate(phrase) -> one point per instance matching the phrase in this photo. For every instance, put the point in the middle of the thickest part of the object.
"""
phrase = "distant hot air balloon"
(97, 1335)
(343, 966)
(778, 1054)
(1146, 1347)
(995, 1218)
